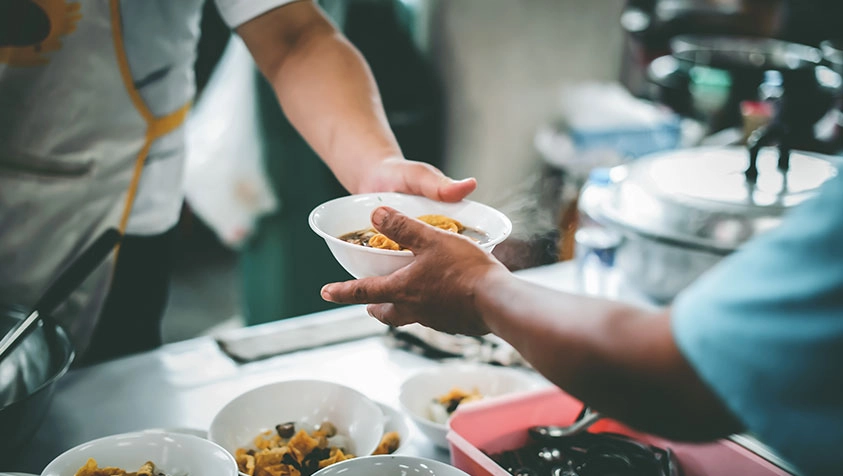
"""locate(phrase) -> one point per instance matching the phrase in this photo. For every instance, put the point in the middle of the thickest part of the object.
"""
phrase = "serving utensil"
(587, 418)
(61, 288)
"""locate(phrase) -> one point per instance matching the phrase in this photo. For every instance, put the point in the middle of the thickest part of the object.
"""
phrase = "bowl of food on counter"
(155, 453)
(301, 425)
(396, 431)
(345, 224)
(390, 465)
(430, 397)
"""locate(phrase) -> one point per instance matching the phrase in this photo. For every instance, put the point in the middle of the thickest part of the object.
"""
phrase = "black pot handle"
(764, 136)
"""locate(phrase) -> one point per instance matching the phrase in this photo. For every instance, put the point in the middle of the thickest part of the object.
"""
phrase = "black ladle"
(61, 288)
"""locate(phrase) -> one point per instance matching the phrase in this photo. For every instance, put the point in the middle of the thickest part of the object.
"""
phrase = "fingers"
(426, 180)
(456, 190)
(404, 230)
(386, 313)
(361, 291)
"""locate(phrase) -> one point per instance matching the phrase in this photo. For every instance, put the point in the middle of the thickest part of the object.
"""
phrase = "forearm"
(328, 93)
(620, 359)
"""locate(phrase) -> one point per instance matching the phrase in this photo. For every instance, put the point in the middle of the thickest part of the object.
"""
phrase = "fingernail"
(378, 216)
(326, 294)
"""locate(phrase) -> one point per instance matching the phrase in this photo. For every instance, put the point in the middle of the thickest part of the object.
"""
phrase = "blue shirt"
(764, 329)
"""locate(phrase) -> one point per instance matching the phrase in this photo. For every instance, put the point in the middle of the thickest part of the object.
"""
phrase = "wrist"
(489, 292)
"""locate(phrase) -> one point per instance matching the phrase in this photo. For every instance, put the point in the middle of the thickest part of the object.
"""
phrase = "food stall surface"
(181, 386)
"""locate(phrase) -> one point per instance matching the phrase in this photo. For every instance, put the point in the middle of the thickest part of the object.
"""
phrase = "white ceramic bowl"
(307, 403)
(396, 421)
(172, 453)
(390, 465)
(419, 390)
(352, 213)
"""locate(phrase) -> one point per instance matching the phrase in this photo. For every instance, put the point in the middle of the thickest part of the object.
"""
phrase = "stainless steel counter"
(183, 385)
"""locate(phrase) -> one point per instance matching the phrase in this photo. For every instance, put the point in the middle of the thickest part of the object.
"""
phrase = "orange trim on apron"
(156, 127)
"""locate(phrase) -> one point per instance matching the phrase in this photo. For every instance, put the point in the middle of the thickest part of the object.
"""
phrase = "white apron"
(94, 102)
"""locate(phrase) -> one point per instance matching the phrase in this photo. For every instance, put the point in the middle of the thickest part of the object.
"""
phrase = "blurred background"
(527, 96)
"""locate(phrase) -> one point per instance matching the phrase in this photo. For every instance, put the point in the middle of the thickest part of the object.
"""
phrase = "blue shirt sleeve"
(764, 329)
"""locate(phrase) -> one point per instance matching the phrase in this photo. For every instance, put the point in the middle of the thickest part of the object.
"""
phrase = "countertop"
(183, 385)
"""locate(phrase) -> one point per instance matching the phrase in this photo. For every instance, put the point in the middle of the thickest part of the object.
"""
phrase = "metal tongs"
(60, 289)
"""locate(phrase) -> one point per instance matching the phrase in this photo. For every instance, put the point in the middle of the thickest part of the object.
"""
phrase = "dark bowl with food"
(27, 378)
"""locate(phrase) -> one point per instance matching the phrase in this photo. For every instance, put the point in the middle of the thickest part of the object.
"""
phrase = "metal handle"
(765, 136)
(587, 418)
(58, 291)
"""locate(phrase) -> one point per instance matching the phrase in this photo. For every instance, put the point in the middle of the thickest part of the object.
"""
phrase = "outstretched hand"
(436, 290)
(397, 174)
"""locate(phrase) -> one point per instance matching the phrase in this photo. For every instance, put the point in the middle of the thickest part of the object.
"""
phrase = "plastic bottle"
(595, 244)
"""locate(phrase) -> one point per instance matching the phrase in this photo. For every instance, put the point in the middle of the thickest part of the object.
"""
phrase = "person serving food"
(93, 96)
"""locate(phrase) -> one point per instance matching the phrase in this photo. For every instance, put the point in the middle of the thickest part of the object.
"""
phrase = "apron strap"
(156, 127)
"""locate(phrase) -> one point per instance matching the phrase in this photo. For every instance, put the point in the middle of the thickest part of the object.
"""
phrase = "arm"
(620, 359)
(327, 91)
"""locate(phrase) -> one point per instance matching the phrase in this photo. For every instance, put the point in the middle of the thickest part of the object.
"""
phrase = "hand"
(436, 290)
(397, 174)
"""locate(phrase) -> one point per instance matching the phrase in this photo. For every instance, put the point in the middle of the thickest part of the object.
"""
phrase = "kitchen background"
(482, 88)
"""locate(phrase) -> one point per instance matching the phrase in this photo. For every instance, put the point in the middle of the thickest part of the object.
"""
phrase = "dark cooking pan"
(28, 377)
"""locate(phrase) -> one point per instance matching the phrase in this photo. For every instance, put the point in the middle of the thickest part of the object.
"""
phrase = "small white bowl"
(419, 391)
(390, 465)
(307, 403)
(172, 453)
(352, 213)
(396, 421)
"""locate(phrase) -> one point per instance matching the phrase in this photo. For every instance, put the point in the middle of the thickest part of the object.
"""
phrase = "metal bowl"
(680, 212)
(27, 378)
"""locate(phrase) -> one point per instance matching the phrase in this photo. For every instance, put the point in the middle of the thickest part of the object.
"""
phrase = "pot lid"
(701, 197)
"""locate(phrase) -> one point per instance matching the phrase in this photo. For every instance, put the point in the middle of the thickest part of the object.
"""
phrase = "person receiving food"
(93, 96)
(756, 344)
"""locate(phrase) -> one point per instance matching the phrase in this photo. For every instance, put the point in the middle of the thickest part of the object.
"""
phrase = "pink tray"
(500, 424)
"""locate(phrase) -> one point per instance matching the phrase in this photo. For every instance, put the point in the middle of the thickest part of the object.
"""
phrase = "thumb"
(408, 232)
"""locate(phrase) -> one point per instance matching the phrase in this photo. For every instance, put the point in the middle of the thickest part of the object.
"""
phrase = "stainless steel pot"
(27, 378)
(681, 212)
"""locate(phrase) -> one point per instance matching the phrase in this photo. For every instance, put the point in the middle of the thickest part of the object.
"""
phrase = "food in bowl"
(308, 403)
(91, 468)
(373, 239)
(344, 215)
(444, 405)
(289, 451)
(292, 451)
(419, 390)
(389, 444)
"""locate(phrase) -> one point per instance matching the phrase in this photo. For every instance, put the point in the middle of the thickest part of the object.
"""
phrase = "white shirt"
(92, 98)
(159, 38)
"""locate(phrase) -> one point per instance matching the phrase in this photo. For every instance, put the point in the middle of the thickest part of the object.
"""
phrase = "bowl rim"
(134, 435)
(333, 239)
(63, 341)
(400, 457)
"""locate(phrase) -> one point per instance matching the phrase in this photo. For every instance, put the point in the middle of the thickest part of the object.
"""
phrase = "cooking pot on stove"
(27, 378)
(682, 211)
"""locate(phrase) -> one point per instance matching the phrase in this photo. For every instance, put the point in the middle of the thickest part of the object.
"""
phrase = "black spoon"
(61, 288)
